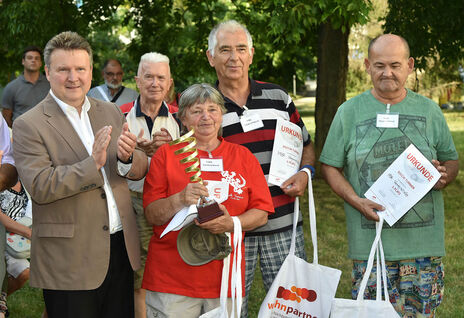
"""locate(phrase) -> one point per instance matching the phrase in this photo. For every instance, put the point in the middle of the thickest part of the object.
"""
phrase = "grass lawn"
(332, 239)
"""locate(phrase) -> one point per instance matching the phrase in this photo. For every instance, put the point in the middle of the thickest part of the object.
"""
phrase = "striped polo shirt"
(270, 102)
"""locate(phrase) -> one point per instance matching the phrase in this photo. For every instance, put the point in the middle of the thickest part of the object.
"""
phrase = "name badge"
(387, 120)
(251, 122)
(211, 164)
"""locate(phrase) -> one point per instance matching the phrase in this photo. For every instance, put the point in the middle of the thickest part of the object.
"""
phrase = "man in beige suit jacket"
(71, 152)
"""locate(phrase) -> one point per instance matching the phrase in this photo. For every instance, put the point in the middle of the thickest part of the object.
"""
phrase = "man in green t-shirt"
(357, 151)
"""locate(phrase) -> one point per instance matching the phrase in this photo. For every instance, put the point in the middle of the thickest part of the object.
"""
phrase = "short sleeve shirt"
(270, 102)
(20, 95)
(165, 271)
(364, 151)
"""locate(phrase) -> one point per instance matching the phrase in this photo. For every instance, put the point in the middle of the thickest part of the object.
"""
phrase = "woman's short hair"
(200, 93)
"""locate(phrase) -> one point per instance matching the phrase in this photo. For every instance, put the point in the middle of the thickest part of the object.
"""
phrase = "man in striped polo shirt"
(230, 52)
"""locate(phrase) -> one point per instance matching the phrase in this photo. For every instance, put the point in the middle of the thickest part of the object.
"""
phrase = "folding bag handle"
(312, 219)
(236, 278)
(377, 247)
(225, 283)
(384, 274)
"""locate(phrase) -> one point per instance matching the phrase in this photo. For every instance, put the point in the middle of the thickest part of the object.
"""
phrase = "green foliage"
(105, 39)
(357, 80)
(27, 22)
(284, 37)
(287, 32)
(284, 32)
(342, 14)
(180, 30)
(34, 22)
(434, 29)
(360, 35)
(98, 12)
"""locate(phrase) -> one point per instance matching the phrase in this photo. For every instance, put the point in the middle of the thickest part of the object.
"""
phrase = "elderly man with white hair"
(149, 118)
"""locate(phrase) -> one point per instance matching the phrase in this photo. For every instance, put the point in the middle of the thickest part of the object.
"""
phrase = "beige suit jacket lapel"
(58, 120)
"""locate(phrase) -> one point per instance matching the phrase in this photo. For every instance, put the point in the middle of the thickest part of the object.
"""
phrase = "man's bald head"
(389, 66)
(388, 39)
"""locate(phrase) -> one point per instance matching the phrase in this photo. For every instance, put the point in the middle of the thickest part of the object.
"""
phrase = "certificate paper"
(403, 184)
(287, 151)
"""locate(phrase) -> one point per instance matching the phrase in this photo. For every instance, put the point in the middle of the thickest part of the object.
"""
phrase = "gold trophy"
(207, 210)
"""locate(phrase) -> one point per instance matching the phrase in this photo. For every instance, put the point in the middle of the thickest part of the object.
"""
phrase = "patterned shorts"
(415, 286)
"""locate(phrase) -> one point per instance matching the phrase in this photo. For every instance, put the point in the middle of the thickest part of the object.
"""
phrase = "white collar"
(66, 108)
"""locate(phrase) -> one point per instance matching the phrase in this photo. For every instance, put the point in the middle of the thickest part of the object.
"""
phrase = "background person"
(8, 178)
(68, 148)
(149, 117)
(13, 204)
(230, 52)
(357, 152)
(28, 89)
(174, 288)
(113, 90)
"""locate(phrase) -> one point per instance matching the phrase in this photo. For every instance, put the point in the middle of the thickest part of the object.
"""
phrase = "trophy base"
(208, 212)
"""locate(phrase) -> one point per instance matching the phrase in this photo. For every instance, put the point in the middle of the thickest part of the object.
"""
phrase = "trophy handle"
(209, 210)
(192, 158)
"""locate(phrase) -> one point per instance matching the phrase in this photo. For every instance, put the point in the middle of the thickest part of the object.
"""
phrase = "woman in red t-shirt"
(175, 288)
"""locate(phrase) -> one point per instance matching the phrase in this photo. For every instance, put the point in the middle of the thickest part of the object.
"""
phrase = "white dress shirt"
(84, 130)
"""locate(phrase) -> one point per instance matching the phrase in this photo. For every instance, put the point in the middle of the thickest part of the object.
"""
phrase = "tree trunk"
(332, 69)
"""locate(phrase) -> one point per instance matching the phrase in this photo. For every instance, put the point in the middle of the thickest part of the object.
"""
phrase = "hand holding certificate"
(403, 184)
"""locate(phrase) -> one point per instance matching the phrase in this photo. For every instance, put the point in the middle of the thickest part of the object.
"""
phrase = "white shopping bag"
(301, 289)
(235, 280)
(361, 308)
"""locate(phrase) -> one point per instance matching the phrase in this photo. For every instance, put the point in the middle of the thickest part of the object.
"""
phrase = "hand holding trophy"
(207, 209)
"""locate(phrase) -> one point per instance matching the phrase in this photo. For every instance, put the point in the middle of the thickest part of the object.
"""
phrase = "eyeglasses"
(111, 74)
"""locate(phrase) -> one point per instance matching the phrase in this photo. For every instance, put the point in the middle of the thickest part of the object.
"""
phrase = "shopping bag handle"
(312, 219)
(377, 247)
(235, 280)
(225, 282)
